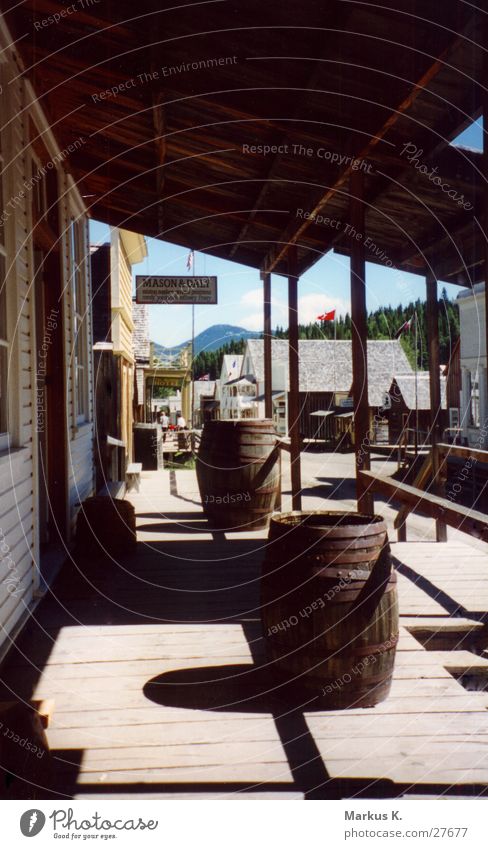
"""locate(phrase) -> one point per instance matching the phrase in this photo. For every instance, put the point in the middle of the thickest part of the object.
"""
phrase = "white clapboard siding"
(16, 518)
(18, 470)
(16, 573)
(80, 459)
(80, 466)
(16, 488)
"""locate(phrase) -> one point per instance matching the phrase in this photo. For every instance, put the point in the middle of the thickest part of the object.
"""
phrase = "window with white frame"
(79, 320)
(453, 417)
(4, 341)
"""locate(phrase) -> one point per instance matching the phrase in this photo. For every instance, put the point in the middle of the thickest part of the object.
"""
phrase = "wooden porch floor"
(183, 613)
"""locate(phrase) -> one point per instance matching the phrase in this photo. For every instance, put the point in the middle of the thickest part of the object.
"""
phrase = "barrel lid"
(317, 524)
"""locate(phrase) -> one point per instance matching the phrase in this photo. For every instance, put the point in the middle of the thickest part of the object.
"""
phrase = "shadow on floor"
(185, 581)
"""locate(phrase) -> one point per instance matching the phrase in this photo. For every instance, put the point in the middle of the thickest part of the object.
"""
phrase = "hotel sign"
(176, 290)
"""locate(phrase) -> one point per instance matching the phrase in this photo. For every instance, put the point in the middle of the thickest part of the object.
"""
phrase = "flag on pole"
(189, 261)
(327, 316)
(407, 325)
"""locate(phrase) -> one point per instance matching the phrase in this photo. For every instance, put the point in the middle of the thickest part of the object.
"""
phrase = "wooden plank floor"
(154, 664)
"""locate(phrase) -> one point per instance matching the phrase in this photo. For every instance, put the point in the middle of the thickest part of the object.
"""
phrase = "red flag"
(327, 316)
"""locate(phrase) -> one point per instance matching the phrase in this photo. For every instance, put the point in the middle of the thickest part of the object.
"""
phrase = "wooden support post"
(359, 340)
(485, 207)
(435, 389)
(293, 396)
(268, 388)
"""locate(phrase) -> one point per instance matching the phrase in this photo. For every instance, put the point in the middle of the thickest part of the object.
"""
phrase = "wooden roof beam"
(292, 233)
(312, 82)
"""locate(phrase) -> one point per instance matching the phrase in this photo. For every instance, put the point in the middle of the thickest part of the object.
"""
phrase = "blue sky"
(324, 287)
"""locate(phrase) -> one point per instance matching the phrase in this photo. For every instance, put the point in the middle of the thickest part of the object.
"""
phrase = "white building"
(236, 390)
(46, 374)
(473, 401)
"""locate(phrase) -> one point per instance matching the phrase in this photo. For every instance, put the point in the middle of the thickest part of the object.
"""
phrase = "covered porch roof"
(234, 127)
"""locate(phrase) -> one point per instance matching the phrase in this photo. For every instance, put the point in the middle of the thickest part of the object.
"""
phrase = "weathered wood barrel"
(238, 472)
(105, 527)
(329, 607)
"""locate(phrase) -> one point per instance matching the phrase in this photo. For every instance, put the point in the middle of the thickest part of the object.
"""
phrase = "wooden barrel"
(238, 472)
(105, 527)
(329, 607)
(26, 767)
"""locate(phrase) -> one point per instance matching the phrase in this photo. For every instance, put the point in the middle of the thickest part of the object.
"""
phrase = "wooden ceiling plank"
(291, 234)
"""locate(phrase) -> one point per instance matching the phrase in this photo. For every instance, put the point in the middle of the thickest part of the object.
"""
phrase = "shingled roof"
(406, 385)
(141, 345)
(326, 365)
(140, 334)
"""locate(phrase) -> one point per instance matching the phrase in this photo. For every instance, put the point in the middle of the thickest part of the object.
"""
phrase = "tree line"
(210, 362)
(382, 323)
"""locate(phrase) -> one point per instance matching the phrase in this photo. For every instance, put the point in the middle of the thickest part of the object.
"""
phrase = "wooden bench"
(133, 476)
(464, 519)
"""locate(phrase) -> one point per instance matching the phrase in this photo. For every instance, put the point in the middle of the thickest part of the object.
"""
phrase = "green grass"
(181, 460)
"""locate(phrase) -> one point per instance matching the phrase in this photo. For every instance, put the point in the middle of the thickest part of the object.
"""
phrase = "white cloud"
(309, 307)
(253, 321)
(314, 304)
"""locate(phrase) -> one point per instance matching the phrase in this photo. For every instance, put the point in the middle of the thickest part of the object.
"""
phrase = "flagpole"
(334, 376)
(416, 391)
(192, 390)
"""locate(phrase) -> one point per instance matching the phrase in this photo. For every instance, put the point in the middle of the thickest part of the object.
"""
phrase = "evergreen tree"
(384, 322)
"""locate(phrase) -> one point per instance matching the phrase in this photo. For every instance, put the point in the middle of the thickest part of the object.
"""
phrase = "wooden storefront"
(46, 389)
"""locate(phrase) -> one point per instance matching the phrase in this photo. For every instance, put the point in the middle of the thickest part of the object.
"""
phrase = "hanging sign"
(153, 289)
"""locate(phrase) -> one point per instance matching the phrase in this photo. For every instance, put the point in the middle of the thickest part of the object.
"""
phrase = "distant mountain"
(209, 340)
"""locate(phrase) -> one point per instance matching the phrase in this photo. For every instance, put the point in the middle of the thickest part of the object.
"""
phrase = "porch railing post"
(435, 389)
(359, 340)
(485, 210)
(268, 388)
(293, 397)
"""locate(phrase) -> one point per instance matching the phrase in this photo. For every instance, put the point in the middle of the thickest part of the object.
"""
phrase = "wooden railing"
(427, 504)
(466, 453)
(415, 499)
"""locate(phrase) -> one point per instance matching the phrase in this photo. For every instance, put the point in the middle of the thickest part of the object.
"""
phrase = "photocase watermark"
(51, 325)
(28, 185)
(379, 253)
(413, 155)
(359, 667)
(32, 822)
(456, 488)
(332, 156)
(324, 220)
(65, 820)
(23, 742)
(12, 579)
(161, 73)
(228, 498)
(348, 230)
(56, 17)
(307, 611)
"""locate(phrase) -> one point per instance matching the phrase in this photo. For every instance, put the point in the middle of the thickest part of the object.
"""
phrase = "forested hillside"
(384, 322)
(210, 362)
